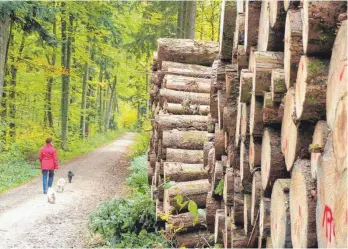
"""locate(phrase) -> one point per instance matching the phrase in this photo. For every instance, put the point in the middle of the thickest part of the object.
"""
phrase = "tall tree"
(4, 40)
(191, 22)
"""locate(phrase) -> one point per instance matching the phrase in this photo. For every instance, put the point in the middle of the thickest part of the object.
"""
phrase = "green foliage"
(142, 140)
(138, 178)
(219, 188)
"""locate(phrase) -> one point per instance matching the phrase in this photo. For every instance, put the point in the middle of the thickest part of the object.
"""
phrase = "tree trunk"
(84, 101)
(180, 20)
(191, 190)
(319, 24)
(187, 51)
(280, 214)
(185, 98)
(320, 135)
(272, 160)
(186, 222)
(254, 153)
(219, 226)
(211, 206)
(190, 19)
(198, 239)
(293, 47)
(252, 18)
(270, 111)
(5, 23)
(110, 104)
(218, 81)
(256, 195)
(188, 70)
(310, 91)
(327, 181)
(278, 87)
(227, 27)
(302, 206)
(181, 122)
(183, 156)
(256, 116)
(179, 109)
(246, 85)
(269, 38)
(265, 218)
(336, 84)
(187, 84)
(192, 140)
(181, 172)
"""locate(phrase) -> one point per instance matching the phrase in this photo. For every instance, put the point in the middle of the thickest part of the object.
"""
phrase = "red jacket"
(48, 158)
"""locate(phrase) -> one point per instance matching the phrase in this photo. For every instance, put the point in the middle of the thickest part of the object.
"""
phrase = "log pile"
(256, 137)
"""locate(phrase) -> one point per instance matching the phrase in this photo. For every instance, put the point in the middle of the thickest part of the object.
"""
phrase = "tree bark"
(187, 84)
(181, 172)
(280, 214)
(252, 18)
(246, 86)
(187, 51)
(247, 215)
(265, 218)
(219, 142)
(228, 187)
(183, 156)
(181, 122)
(227, 27)
(255, 149)
(110, 104)
(310, 91)
(198, 239)
(179, 109)
(256, 116)
(192, 140)
(244, 169)
(5, 23)
(239, 240)
(270, 110)
(185, 98)
(222, 100)
(256, 195)
(244, 123)
(188, 70)
(219, 226)
(211, 206)
(186, 222)
(206, 148)
(278, 87)
(216, 175)
(302, 206)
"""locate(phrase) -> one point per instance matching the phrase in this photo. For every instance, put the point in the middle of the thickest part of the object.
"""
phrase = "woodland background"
(79, 72)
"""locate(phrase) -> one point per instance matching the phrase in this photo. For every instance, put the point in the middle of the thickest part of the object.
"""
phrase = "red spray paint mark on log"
(342, 72)
(328, 222)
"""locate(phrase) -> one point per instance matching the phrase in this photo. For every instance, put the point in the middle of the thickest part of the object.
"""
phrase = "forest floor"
(28, 220)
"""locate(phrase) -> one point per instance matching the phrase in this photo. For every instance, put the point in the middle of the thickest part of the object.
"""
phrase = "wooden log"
(183, 156)
(270, 37)
(262, 64)
(337, 79)
(219, 226)
(227, 232)
(321, 132)
(186, 51)
(211, 124)
(280, 214)
(193, 140)
(206, 148)
(160, 189)
(270, 110)
(237, 137)
(159, 214)
(327, 180)
(156, 82)
(256, 194)
(190, 190)
(302, 206)
(181, 122)
(247, 214)
(222, 101)
(232, 84)
(150, 172)
(152, 157)
(211, 206)
(340, 211)
(265, 217)
(216, 176)
(310, 91)
(181, 172)
(244, 169)
(227, 28)
(319, 24)
(295, 139)
(184, 98)
(291, 4)
(218, 81)
(242, 58)
(233, 156)
(340, 135)
(252, 240)
(240, 6)
(229, 116)
(293, 47)
(238, 238)
(272, 160)
(269, 242)
(238, 200)
(244, 122)
(278, 87)
(256, 116)
(199, 239)
(228, 187)
(246, 85)
(238, 36)
(186, 84)
(189, 70)
(252, 58)
(252, 17)
(211, 162)
(277, 14)
(186, 222)
(219, 142)
(255, 150)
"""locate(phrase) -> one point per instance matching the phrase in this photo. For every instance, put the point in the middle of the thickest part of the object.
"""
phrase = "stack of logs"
(267, 122)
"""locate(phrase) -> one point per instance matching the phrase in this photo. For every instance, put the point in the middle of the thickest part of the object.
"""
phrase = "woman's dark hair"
(48, 140)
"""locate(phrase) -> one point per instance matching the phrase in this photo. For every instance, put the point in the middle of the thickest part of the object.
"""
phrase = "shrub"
(138, 178)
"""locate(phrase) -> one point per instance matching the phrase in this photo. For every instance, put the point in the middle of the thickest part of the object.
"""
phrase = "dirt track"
(28, 220)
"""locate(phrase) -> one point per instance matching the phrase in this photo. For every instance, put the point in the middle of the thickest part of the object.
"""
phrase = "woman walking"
(49, 163)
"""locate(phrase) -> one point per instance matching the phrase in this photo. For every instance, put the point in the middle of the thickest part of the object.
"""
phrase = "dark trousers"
(47, 183)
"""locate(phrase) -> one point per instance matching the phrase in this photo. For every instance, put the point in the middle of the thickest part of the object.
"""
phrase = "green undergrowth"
(129, 222)
(19, 165)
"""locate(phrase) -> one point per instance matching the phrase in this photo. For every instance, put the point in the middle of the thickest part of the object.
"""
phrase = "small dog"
(60, 185)
(51, 195)
(70, 176)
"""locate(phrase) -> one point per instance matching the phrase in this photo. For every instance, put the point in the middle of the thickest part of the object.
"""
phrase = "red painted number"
(328, 222)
